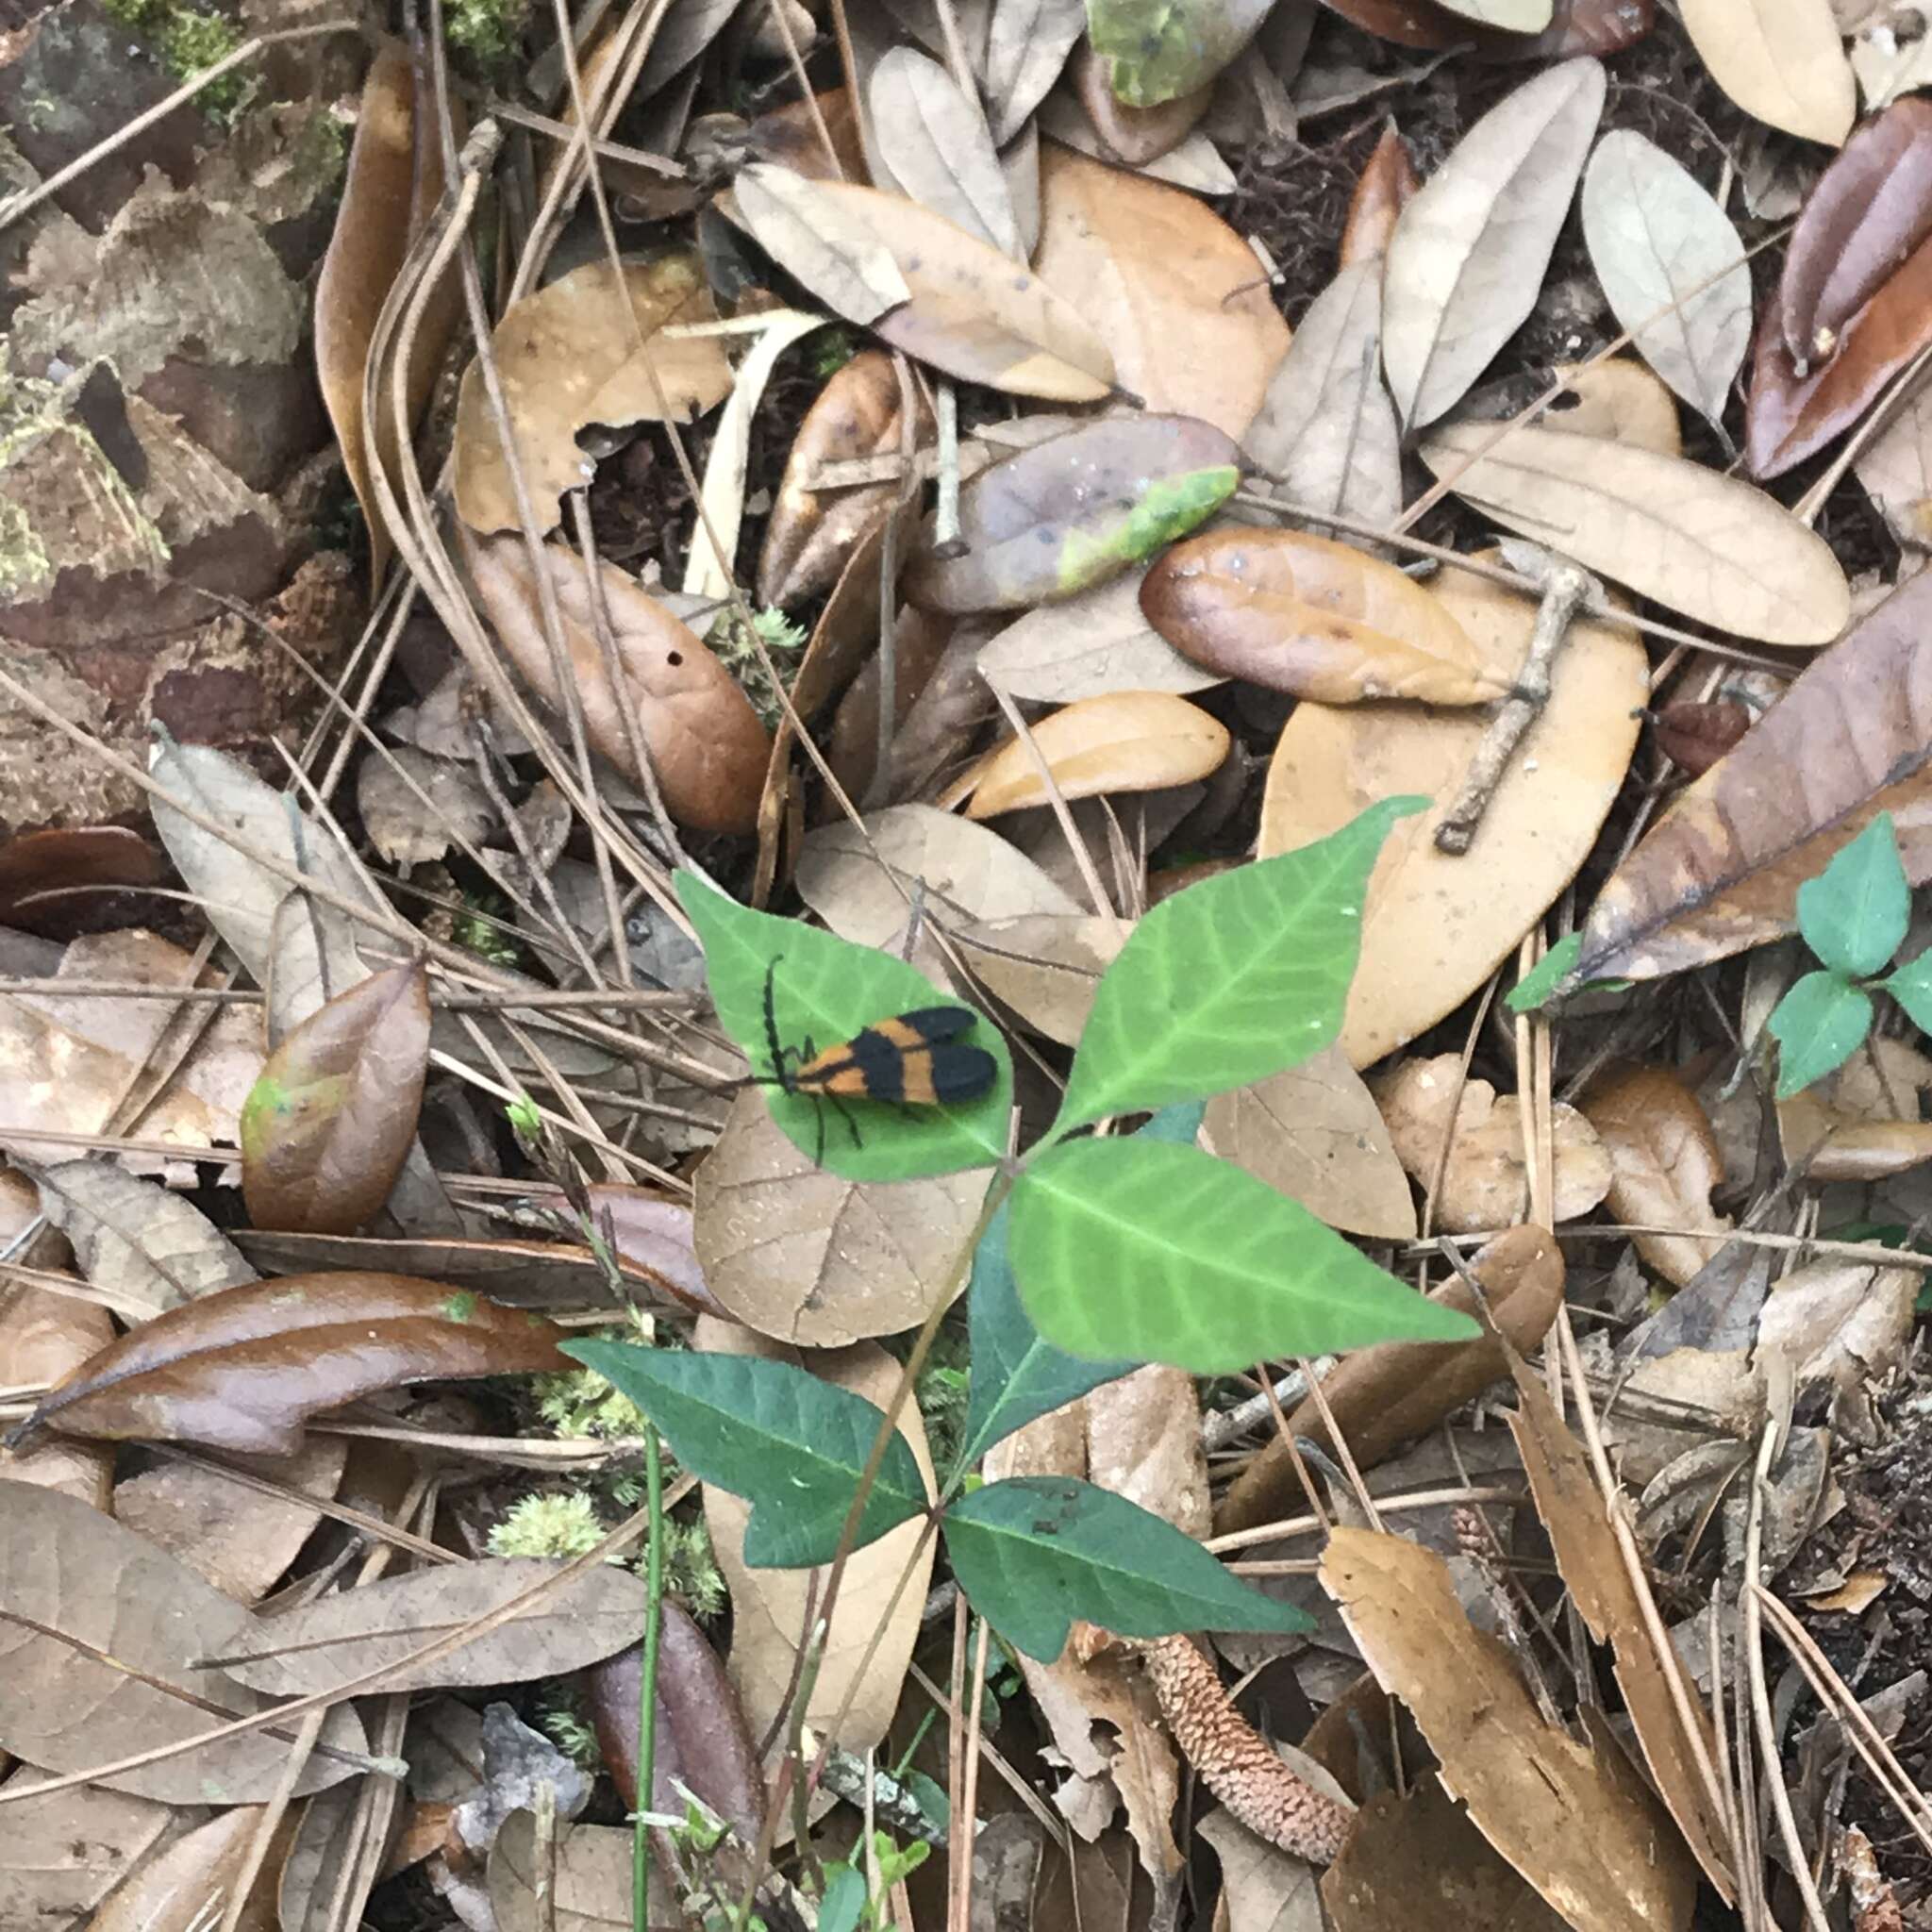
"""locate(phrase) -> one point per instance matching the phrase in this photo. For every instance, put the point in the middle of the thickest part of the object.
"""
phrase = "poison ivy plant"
(1853, 917)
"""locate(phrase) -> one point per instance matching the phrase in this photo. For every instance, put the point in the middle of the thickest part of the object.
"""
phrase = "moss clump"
(784, 642)
(488, 30)
(189, 40)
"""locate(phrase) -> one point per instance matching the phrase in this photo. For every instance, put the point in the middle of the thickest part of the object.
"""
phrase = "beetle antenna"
(772, 1024)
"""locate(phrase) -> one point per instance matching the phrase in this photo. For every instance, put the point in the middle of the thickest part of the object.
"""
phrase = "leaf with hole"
(1077, 509)
(1204, 1267)
(1035, 1552)
(1235, 978)
(332, 1116)
(791, 1445)
(244, 1368)
(824, 990)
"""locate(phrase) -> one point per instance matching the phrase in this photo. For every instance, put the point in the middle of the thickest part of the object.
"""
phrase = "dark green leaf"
(1034, 1553)
(1077, 509)
(792, 1446)
(1235, 978)
(1911, 987)
(1167, 1255)
(1540, 981)
(1818, 1026)
(1854, 913)
(825, 990)
(842, 1907)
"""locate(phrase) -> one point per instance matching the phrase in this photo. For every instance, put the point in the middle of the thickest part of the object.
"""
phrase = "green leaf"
(1164, 48)
(1535, 986)
(1911, 987)
(1818, 1026)
(1036, 1552)
(844, 1905)
(1017, 1377)
(1235, 978)
(792, 1446)
(1167, 1255)
(825, 990)
(1853, 914)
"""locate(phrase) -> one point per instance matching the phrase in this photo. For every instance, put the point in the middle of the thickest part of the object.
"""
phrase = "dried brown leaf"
(1621, 401)
(1845, 1322)
(1133, 134)
(37, 868)
(812, 532)
(43, 1337)
(1896, 471)
(1315, 1134)
(403, 829)
(1694, 734)
(581, 1882)
(97, 1641)
(1701, 543)
(1084, 647)
(569, 356)
(1043, 965)
(1850, 738)
(1574, 1818)
(244, 1368)
(1144, 1442)
(771, 1608)
(920, 639)
(1151, 267)
(798, 1254)
(1136, 740)
(1780, 61)
(1385, 187)
(391, 185)
(174, 1892)
(333, 1115)
(968, 310)
(61, 1856)
(935, 144)
(1652, 1679)
(703, 739)
(1313, 618)
(1485, 1183)
(1664, 1162)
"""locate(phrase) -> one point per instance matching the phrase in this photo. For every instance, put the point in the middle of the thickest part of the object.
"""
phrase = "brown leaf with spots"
(332, 1115)
(1720, 872)
(703, 739)
(1313, 618)
(244, 1368)
(1664, 1161)
(812, 531)
(569, 357)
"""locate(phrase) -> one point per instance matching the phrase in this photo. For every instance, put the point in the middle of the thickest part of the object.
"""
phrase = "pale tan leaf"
(1896, 471)
(968, 310)
(1664, 1162)
(1043, 965)
(580, 1882)
(861, 885)
(1573, 1817)
(1671, 265)
(1262, 1888)
(1326, 429)
(1144, 1442)
(43, 1337)
(1315, 1134)
(1468, 255)
(706, 573)
(174, 1892)
(403, 829)
(1027, 43)
(1845, 1322)
(1435, 927)
(1780, 61)
(1194, 164)
(771, 1607)
(1619, 400)
(802, 1256)
(1096, 642)
(1485, 1183)
(1861, 1122)
(1513, 16)
(1151, 267)
(569, 356)
(935, 143)
(1703, 544)
(98, 1643)
(1134, 741)
(61, 1856)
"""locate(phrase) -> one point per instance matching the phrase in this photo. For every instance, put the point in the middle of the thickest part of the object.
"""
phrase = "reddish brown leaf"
(1078, 510)
(654, 1236)
(332, 1116)
(702, 738)
(45, 1336)
(703, 1739)
(394, 181)
(1380, 195)
(1855, 303)
(1695, 734)
(1311, 617)
(789, 136)
(245, 1367)
(812, 532)
(45, 876)
(1850, 738)
(1576, 27)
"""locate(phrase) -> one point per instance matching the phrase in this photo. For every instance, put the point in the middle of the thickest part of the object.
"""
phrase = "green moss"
(189, 41)
(784, 642)
(549, 1525)
(488, 30)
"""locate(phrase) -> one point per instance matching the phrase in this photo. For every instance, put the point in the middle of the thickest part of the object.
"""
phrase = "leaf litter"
(1056, 259)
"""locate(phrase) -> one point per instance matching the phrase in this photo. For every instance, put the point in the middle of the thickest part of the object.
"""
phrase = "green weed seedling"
(1853, 917)
(1095, 1254)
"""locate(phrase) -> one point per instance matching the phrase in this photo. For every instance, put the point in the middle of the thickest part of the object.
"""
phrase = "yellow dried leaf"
(1128, 741)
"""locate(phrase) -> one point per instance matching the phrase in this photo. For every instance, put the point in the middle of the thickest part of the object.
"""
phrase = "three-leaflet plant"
(1098, 1252)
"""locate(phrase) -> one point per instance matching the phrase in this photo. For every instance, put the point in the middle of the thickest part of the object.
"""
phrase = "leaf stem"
(647, 1683)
